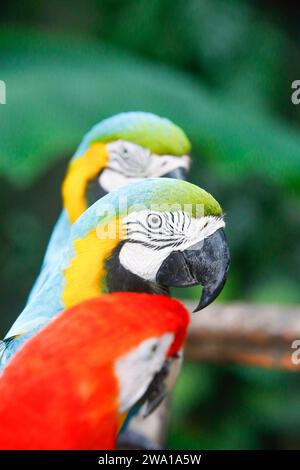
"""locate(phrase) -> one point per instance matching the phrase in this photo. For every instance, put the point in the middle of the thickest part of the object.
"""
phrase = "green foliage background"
(223, 71)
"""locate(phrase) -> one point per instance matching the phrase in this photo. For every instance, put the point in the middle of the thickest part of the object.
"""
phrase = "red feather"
(60, 391)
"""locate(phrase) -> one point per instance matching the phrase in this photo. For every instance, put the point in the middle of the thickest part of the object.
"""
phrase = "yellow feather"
(80, 171)
(84, 277)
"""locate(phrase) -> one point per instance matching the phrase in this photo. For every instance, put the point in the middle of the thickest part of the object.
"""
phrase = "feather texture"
(68, 386)
(80, 271)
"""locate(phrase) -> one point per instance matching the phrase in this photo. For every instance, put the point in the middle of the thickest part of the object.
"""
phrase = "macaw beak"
(179, 173)
(205, 263)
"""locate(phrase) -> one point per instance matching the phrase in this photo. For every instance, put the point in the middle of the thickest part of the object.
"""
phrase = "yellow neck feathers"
(80, 172)
(85, 275)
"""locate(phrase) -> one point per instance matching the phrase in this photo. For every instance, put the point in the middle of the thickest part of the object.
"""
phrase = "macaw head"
(122, 149)
(153, 235)
(72, 385)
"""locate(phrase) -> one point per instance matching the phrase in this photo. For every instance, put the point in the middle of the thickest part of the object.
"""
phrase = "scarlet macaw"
(72, 385)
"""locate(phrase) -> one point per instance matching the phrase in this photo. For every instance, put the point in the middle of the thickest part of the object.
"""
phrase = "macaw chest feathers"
(120, 279)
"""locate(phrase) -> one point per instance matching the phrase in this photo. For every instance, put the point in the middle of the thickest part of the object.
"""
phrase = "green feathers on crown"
(158, 194)
(157, 134)
(185, 195)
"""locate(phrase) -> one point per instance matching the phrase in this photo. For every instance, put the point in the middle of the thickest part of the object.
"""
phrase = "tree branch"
(252, 334)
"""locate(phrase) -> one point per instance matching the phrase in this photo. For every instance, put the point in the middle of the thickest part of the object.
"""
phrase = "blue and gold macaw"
(144, 237)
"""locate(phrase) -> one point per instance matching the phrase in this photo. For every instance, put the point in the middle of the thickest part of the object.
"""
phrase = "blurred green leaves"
(57, 87)
(234, 407)
(220, 68)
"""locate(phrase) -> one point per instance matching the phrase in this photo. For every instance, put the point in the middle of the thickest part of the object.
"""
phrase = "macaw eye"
(154, 221)
(148, 349)
(125, 152)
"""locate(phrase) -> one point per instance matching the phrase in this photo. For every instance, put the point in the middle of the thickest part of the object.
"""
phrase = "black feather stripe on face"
(94, 191)
(119, 279)
(170, 232)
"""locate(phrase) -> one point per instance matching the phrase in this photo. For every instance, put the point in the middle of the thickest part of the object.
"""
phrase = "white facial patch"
(110, 180)
(137, 368)
(152, 236)
(130, 162)
(161, 165)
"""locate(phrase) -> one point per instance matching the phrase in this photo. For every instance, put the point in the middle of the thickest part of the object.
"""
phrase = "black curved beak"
(179, 173)
(205, 263)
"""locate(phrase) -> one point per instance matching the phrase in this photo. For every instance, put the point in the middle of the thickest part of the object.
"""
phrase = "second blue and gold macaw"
(122, 149)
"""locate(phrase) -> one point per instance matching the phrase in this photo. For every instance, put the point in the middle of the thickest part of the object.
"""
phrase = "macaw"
(117, 151)
(72, 385)
(145, 237)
